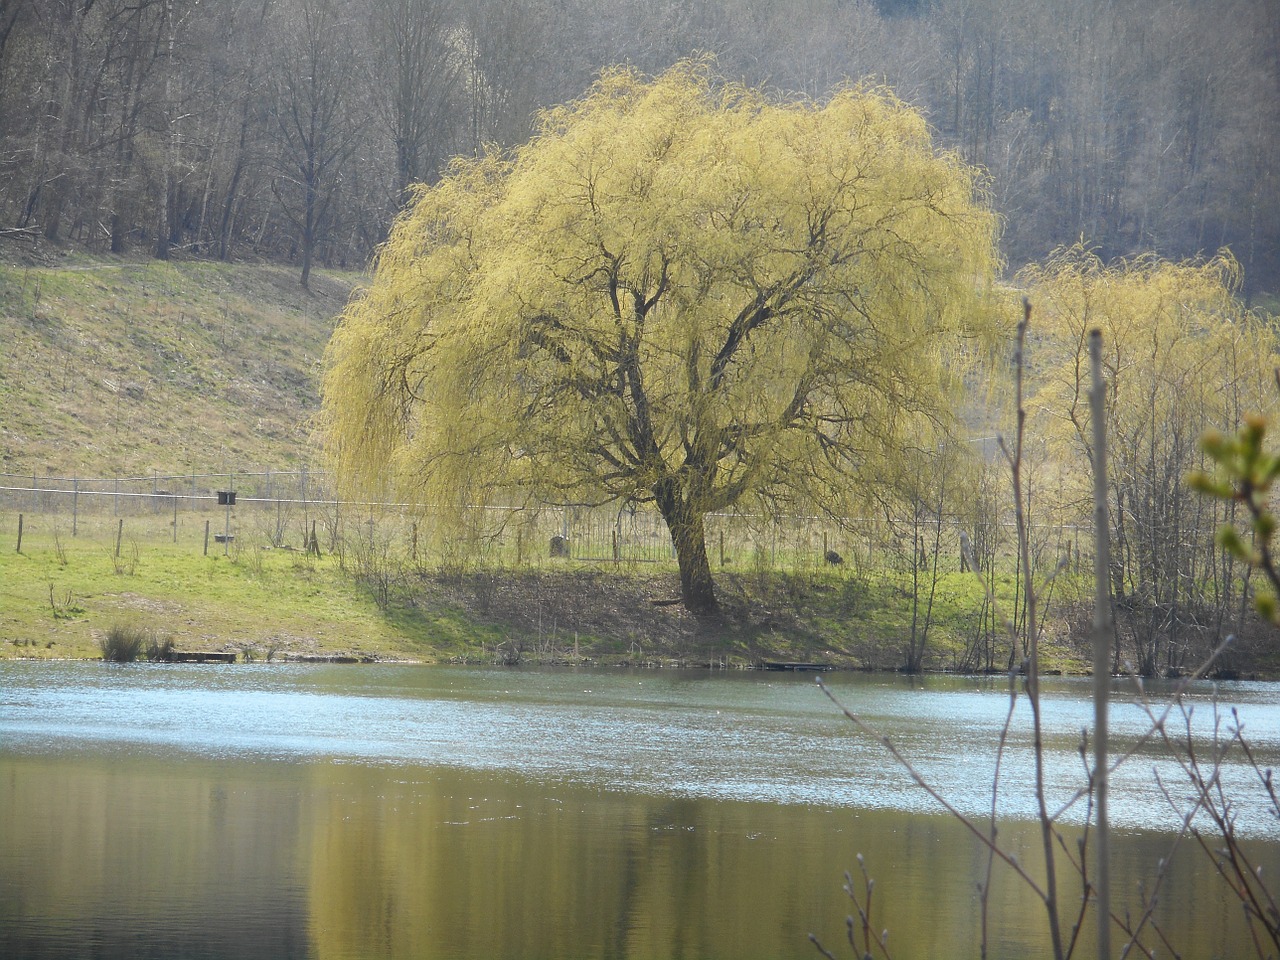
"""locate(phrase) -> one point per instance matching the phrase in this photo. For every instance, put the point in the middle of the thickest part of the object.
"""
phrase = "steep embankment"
(114, 367)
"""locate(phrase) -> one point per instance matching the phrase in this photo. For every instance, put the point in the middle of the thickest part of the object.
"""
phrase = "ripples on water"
(698, 734)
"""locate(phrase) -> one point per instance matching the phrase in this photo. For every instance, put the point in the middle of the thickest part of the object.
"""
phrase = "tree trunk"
(308, 244)
(688, 536)
(915, 648)
(310, 180)
(118, 229)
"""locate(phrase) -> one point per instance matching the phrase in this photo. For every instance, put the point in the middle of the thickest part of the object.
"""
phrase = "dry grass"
(118, 367)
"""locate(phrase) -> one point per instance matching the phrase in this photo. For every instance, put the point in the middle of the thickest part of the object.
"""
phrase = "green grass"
(64, 594)
(1267, 304)
(246, 600)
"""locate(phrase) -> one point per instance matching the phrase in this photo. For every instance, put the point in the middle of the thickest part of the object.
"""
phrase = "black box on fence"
(226, 498)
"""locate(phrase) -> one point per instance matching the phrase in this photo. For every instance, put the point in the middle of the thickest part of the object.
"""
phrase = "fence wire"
(295, 509)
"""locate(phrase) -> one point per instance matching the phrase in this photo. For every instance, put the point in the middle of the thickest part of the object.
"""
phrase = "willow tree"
(679, 292)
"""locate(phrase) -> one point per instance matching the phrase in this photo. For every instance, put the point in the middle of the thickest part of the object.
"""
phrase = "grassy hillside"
(112, 367)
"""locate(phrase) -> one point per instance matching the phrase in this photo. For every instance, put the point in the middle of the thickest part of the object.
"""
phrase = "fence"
(298, 509)
(82, 506)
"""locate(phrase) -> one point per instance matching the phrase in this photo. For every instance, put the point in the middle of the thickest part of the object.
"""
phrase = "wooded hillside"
(289, 129)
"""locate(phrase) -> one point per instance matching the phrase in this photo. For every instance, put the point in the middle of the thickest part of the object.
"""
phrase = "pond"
(310, 811)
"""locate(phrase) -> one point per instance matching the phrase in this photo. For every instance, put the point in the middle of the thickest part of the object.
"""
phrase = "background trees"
(417, 65)
(319, 130)
(1139, 126)
(1181, 358)
(678, 293)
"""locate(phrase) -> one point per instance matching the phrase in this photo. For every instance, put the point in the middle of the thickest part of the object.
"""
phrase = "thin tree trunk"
(1102, 633)
(915, 652)
(166, 226)
(1033, 652)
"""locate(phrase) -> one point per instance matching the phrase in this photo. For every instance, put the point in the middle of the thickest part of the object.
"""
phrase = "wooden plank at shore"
(201, 656)
(219, 656)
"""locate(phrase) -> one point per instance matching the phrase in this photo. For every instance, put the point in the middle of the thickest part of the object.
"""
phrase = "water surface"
(352, 812)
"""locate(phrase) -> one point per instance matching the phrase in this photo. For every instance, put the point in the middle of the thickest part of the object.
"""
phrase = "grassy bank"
(64, 593)
(74, 581)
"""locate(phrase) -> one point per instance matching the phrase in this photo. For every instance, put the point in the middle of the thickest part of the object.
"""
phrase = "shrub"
(122, 643)
(159, 649)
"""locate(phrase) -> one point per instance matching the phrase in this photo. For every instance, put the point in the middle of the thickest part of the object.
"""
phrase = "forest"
(292, 130)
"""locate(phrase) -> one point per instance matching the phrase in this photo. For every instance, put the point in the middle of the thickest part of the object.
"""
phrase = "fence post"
(206, 538)
(306, 513)
(19, 533)
(119, 537)
(226, 525)
(75, 505)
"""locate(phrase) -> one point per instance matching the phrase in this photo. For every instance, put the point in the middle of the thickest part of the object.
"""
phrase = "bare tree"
(417, 72)
(318, 132)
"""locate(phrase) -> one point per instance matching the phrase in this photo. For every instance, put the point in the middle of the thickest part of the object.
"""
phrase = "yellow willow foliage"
(675, 281)
(1181, 356)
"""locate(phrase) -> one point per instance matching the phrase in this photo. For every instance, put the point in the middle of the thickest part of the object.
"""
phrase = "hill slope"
(115, 367)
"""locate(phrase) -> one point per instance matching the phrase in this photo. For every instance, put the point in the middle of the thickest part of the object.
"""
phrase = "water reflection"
(130, 856)
(453, 814)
